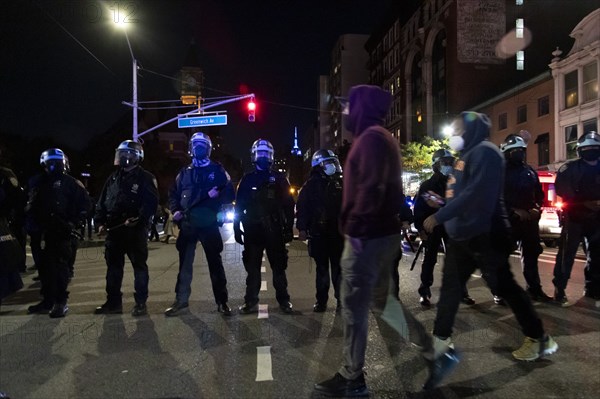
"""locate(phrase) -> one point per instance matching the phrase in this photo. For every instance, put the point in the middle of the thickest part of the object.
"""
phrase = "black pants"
(35, 243)
(326, 250)
(153, 232)
(256, 240)
(210, 237)
(462, 258)
(130, 241)
(573, 232)
(53, 268)
(528, 235)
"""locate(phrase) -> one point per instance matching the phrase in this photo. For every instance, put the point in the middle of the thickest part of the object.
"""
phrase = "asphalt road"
(272, 355)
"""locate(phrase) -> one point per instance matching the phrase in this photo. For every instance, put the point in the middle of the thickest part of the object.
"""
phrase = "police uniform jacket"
(319, 204)
(578, 182)
(189, 194)
(57, 203)
(263, 197)
(522, 188)
(126, 195)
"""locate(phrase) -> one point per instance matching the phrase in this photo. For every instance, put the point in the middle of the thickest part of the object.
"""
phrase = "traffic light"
(251, 110)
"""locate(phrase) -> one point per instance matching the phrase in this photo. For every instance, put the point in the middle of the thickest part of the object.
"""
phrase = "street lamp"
(134, 103)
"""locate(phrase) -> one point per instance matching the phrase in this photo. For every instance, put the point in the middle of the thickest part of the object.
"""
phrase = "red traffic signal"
(251, 111)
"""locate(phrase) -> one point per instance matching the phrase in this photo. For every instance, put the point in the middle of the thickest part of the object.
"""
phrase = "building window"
(591, 125)
(520, 60)
(502, 121)
(543, 106)
(571, 89)
(590, 82)
(522, 114)
(519, 26)
(571, 141)
(543, 143)
(519, 2)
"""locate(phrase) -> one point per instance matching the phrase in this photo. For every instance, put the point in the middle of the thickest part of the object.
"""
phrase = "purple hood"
(368, 106)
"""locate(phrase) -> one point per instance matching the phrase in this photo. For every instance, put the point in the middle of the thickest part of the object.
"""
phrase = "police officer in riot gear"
(57, 204)
(126, 204)
(317, 213)
(578, 183)
(443, 163)
(265, 208)
(523, 197)
(200, 190)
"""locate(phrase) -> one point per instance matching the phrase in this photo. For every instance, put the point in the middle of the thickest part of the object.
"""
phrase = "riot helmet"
(588, 146)
(129, 153)
(327, 161)
(442, 161)
(53, 160)
(514, 147)
(200, 146)
(262, 154)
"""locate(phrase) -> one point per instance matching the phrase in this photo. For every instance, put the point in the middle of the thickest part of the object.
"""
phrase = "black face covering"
(516, 156)
(55, 167)
(591, 155)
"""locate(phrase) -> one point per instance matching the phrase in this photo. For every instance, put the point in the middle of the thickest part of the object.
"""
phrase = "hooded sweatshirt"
(474, 191)
(372, 173)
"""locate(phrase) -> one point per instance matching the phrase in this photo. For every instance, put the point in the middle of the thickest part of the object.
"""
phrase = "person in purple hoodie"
(370, 221)
(477, 224)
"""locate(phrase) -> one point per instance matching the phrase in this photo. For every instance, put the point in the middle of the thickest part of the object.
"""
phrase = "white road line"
(263, 311)
(263, 285)
(263, 364)
(263, 259)
(263, 269)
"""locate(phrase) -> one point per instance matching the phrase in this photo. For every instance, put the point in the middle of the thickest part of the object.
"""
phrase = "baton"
(414, 262)
(122, 224)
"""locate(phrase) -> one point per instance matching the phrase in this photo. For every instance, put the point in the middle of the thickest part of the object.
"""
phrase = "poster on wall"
(480, 25)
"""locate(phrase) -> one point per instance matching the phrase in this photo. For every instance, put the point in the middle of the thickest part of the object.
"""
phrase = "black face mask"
(516, 157)
(590, 155)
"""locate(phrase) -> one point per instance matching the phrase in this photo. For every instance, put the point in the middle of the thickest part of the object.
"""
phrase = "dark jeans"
(327, 252)
(571, 236)
(53, 268)
(210, 237)
(462, 258)
(133, 242)
(257, 240)
(528, 234)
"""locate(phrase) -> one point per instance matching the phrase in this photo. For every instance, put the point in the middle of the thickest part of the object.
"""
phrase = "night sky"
(66, 67)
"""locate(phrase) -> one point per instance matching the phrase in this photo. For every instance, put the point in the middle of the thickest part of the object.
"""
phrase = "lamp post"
(134, 89)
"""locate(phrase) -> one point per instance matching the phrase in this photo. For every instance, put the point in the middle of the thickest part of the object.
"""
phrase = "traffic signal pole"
(197, 111)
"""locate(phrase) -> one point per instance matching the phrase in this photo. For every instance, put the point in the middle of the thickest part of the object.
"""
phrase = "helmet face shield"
(262, 154)
(588, 146)
(54, 161)
(200, 146)
(128, 153)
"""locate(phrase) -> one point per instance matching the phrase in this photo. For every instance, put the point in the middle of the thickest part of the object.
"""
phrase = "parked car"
(549, 224)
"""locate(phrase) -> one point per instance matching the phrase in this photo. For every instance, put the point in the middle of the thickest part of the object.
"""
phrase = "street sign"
(207, 120)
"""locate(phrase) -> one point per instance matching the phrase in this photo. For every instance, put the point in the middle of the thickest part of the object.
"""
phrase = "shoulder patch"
(563, 168)
(80, 184)
(13, 181)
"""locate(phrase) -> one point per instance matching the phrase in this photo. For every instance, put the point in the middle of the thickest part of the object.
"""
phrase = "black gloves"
(288, 235)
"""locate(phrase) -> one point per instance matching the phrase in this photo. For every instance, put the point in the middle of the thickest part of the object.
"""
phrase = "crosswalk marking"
(263, 269)
(263, 364)
(231, 240)
(263, 311)
(263, 285)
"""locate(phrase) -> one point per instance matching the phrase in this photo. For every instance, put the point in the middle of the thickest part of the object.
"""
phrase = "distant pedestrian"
(317, 214)
(127, 203)
(57, 204)
(479, 237)
(443, 163)
(199, 192)
(372, 227)
(169, 226)
(264, 207)
(153, 231)
(523, 197)
(578, 183)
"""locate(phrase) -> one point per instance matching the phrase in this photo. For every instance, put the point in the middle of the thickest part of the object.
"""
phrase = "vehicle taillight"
(559, 205)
